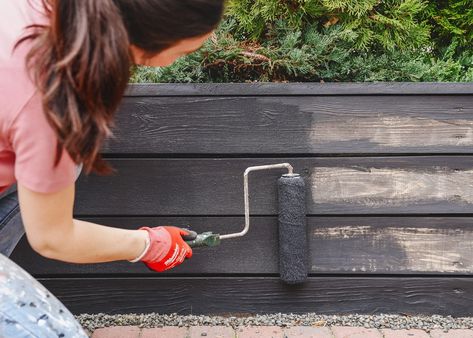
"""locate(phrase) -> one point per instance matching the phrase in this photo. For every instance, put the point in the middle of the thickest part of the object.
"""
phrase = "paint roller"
(293, 248)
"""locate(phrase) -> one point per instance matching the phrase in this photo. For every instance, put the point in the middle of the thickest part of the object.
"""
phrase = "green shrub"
(452, 22)
(352, 40)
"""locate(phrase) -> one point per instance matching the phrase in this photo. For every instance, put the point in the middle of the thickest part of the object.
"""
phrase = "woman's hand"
(53, 233)
(167, 248)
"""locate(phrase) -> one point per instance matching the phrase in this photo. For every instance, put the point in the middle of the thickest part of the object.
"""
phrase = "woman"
(64, 66)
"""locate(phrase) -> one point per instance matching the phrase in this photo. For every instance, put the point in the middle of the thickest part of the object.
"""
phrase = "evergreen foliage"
(370, 22)
(453, 23)
(332, 40)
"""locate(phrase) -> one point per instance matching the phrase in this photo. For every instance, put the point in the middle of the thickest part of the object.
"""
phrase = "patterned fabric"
(28, 309)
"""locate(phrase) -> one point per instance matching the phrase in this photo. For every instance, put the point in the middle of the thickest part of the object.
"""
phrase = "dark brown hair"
(81, 61)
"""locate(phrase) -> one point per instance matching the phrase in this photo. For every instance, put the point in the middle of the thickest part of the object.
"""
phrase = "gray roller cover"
(293, 247)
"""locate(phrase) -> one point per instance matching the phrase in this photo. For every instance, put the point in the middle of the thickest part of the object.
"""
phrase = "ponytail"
(81, 65)
(81, 61)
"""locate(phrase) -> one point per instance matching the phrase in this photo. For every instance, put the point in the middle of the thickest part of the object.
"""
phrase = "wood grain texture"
(335, 185)
(181, 151)
(307, 88)
(324, 295)
(337, 245)
(294, 125)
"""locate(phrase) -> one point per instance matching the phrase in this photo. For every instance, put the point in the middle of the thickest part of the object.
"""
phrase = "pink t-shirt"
(27, 142)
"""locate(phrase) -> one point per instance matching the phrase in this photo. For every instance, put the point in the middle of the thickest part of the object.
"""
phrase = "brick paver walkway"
(273, 332)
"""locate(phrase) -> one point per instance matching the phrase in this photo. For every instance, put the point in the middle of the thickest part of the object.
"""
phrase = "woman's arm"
(53, 233)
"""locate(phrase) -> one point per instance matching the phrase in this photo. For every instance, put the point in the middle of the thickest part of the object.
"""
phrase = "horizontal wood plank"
(307, 88)
(294, 125)
(362, 263)
(337, 245)
(335, 185)
(324, 295)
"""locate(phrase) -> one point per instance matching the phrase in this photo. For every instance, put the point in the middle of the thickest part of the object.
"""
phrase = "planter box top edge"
(301, 89)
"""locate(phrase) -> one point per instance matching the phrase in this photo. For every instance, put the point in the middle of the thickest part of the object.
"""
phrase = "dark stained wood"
(294, 125)
(307, 88)
(335, 185)
(338, 245)
(324, 295)
(389, 174)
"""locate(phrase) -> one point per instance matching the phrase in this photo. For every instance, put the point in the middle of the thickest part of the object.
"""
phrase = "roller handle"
(205, 239)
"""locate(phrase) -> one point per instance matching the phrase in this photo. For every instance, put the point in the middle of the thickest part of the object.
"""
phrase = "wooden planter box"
(389, 171)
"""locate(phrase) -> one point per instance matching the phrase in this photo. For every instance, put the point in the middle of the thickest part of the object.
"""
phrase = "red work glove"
(167, 248)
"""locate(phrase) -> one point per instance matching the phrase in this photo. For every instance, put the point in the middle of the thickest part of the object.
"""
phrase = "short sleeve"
(34, 143)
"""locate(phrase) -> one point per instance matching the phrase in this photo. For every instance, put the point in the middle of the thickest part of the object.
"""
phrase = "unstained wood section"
(334, 185)
(324, 295)
(294, 125)
(338, 245)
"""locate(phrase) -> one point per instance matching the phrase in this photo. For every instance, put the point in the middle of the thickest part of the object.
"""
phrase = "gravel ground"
(381, 321)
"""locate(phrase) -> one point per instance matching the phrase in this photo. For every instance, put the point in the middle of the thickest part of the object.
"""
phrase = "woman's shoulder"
(16, 90)
(16, 86)
(17, 15)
